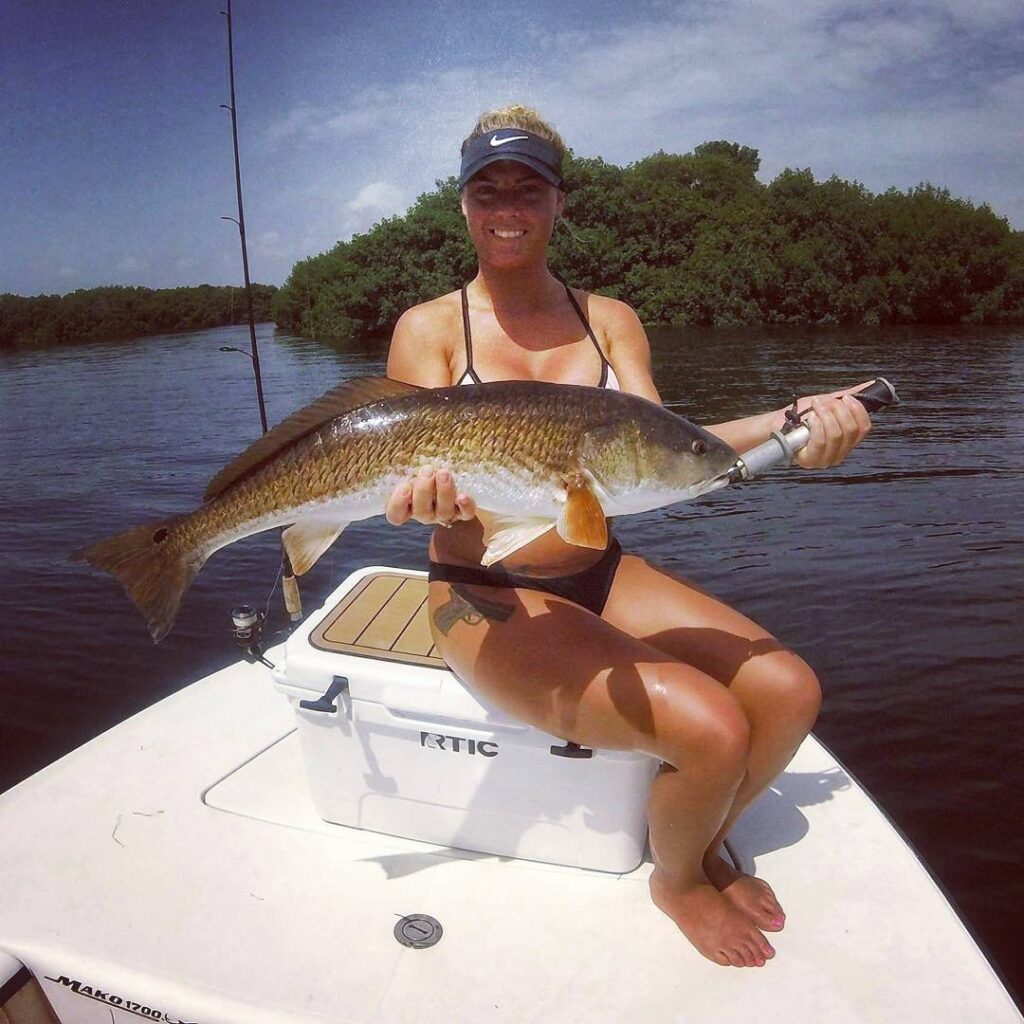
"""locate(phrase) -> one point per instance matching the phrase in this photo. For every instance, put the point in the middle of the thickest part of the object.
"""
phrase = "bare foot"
(716, 929)
(753, 896)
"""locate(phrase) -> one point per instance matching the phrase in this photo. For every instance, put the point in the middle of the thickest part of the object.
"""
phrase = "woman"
(603, 648)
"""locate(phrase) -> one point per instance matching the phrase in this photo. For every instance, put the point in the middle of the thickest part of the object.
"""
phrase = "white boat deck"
(176, 864)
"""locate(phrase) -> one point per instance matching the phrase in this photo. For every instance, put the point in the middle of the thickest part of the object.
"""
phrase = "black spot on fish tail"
(154, 572)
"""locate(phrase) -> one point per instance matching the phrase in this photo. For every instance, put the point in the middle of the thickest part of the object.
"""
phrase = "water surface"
(897, 575)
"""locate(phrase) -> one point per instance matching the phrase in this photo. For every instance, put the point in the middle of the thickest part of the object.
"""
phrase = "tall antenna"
(241, 224)
(292, 601)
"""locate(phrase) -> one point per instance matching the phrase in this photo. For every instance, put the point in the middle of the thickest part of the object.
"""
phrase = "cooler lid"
(376, 633)
(384, 616)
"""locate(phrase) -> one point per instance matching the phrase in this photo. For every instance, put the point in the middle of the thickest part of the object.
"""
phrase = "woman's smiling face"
(510, 211)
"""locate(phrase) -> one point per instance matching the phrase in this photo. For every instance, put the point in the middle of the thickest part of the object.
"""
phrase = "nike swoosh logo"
(495, 141)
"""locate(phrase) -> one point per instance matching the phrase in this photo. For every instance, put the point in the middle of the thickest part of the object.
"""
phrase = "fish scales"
(523, 449)
(360, 448)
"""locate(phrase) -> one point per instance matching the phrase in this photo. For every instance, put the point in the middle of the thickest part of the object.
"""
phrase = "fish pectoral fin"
(582, 521)
(504, 534)
(306, 540)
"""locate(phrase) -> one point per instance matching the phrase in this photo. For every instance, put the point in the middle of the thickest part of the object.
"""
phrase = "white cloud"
(301, 120)
(717, 62)
(884, 94)
(377, 197)
(310, 122)
(269, 245)
(370, 204)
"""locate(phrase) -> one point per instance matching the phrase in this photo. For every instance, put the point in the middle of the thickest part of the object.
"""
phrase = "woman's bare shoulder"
(422, 343)
(433, 316)
(615, 323)
(612, 314)
(624, 342)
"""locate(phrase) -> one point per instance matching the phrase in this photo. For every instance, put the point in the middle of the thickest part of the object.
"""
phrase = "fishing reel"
(248, 633)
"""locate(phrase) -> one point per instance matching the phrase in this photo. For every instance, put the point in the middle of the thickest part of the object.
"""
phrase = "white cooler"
(393, 742)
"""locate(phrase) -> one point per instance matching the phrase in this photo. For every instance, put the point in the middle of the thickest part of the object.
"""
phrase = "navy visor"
(512, 144)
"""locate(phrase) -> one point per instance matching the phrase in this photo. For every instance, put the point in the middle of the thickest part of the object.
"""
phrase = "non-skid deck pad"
(383, 616)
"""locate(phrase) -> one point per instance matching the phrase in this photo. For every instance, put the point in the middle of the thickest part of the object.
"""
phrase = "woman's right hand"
(429, 497)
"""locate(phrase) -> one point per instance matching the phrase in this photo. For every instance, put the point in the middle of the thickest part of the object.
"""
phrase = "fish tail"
(154, 568)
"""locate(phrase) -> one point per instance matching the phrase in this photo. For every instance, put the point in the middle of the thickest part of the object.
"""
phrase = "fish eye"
(699, 447)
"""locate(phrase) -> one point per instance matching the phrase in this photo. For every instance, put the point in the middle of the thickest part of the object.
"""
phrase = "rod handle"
(878, 395)
(780, 448)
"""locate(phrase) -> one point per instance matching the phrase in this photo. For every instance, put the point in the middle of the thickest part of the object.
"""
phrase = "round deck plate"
(418, 931)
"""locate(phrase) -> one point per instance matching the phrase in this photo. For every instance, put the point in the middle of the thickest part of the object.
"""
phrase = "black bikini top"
(608, 378)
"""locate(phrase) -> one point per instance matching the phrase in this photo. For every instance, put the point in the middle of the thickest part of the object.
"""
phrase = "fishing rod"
(783, 444)
(289, 585)
(240, 222)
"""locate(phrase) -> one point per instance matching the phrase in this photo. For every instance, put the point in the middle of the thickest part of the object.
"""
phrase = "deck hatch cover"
(418, 931)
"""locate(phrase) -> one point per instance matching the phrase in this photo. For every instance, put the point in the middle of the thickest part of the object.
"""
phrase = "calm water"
(898, 576)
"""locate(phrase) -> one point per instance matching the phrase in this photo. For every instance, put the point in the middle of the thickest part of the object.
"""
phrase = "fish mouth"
(715, 483)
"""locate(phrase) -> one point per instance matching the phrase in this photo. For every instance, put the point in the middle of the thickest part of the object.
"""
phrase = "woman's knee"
(705, 722)
(791, 686)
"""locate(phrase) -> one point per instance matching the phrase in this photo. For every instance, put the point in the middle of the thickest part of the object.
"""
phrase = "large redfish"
(534, 455)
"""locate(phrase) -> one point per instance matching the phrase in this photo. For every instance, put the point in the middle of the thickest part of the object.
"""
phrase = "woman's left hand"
(838, 423)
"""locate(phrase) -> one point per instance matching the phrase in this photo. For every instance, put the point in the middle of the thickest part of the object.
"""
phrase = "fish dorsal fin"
(306, 540)
(344, 398)
(582, 521)
(505, 534)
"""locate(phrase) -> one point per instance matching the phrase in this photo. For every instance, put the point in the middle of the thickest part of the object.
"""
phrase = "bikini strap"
(586, 323)
(467, 334)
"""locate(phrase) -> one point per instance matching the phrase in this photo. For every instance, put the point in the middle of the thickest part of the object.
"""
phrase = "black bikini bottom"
(588, 588)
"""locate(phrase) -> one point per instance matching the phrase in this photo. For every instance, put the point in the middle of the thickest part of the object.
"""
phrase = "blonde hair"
(516, 116)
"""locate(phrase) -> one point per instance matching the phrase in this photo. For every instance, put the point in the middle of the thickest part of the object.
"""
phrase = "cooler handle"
(325, 703)
(571, 750)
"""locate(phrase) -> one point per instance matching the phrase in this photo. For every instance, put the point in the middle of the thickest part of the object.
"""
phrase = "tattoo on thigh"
(465, 606)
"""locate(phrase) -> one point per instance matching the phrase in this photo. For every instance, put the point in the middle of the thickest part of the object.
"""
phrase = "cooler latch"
(572, 750)
(326, 703)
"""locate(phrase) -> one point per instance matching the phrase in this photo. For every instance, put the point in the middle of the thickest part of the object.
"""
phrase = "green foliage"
(697, 239)
(109, 313)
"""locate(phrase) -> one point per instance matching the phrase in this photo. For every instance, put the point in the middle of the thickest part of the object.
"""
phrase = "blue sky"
(115, 157)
